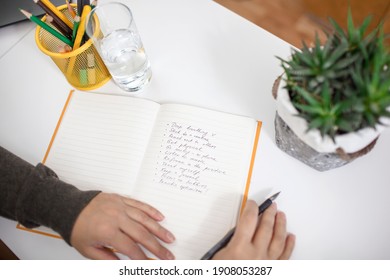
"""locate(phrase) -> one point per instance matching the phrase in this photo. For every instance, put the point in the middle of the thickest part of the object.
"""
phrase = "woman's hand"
(263, 238)
(112, 221)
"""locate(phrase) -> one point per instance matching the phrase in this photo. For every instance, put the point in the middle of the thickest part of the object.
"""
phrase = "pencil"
(70, 9)
(61, 63)
(49, 29)
(76, 25)
(57, 12)
(64, 49)
(51, 20)
(57, 21)
(91, 71)
(79, 36)
(79, 7)
(81, 29)
(225, 240)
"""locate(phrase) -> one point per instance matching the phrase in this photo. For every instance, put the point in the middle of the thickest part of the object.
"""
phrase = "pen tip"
(274, 196)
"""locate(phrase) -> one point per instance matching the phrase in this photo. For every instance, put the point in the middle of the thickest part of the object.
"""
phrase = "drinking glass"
(119, 44)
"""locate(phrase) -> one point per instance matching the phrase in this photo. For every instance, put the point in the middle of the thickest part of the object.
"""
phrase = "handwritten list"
(187, 152)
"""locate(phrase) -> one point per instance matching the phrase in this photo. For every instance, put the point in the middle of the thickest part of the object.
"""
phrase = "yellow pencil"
(79, 37)
(81, 29)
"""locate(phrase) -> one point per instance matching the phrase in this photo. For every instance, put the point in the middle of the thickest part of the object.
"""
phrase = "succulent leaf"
(344, 85)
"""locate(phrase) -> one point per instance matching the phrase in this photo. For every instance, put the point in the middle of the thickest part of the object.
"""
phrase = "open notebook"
(192, 164)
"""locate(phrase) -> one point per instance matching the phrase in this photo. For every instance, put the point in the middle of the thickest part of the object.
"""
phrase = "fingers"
(247, 223)
(150, 224)
(278, 241)
(151, 211)
(263, 238)
(99, 254)
(289, 247)
(139, 234)
(271, 237)
(125, 245)
(265, 231)
(143, 228)
(123, 224)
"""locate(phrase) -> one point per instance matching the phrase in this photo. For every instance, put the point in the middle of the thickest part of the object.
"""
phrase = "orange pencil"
(70, 9)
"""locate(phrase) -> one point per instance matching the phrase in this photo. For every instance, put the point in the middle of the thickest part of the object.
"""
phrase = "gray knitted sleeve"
(34, 196)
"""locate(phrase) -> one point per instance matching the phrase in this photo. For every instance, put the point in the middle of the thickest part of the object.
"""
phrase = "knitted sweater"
(34, 196)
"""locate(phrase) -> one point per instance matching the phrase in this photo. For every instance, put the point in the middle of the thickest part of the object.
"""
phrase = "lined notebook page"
(195, 172)
(101, 141)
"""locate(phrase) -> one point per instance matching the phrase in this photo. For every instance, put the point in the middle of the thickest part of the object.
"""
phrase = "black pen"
(225, 240)
(80, 6)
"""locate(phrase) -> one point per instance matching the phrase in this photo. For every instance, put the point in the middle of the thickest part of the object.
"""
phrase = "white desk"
(205, 55)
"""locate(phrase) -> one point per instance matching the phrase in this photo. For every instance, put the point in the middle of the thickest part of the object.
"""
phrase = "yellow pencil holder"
(83, 67)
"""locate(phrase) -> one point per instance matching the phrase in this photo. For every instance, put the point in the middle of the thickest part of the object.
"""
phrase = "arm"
(90, 221)
(34, 196)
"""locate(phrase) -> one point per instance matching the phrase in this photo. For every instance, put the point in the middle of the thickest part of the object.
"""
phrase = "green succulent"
(343, 85)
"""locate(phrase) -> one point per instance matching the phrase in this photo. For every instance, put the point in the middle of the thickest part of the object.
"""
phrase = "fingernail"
(169, 256)
(159, 216)
(170, 237)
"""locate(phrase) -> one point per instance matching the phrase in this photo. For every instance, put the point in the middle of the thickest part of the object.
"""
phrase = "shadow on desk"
(6, 253)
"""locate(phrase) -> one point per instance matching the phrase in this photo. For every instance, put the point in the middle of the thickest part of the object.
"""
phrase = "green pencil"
(76, 24)
(47, 28)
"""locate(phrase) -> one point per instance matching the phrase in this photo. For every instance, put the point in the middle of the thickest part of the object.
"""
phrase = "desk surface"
(205, 55)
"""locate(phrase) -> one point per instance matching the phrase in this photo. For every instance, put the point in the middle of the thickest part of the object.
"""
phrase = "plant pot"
(320, 153)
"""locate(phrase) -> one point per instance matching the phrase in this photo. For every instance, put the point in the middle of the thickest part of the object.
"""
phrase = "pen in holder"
(83, 67)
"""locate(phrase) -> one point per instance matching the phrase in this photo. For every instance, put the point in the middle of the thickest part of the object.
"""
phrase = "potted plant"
(333, 100)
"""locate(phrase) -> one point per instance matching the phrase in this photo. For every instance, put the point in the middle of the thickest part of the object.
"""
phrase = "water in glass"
(125, 57)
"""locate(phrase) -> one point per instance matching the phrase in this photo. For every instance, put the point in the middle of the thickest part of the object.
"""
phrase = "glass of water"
(114, 34)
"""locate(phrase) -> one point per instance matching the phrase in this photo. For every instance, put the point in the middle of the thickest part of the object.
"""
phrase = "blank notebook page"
(101, 141)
